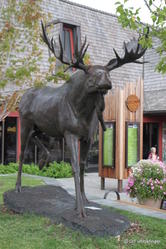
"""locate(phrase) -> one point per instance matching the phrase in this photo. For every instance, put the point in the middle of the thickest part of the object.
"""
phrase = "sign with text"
(132, 143)
(109, 145)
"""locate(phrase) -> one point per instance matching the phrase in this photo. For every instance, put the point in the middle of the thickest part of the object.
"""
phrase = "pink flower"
(164, 193)
(152, 187)
(130, 181)
(161, 187)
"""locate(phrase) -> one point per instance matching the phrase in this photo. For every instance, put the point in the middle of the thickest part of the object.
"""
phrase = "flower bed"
(147, 180)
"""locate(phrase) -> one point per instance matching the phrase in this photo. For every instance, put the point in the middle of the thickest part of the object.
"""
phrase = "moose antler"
(76, 61)
(132, 52)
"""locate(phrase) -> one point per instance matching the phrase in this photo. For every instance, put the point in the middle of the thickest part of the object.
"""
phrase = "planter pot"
(151, 203)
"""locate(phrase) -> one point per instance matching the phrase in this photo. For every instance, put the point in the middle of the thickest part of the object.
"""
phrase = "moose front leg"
(26, 133)
(72, 143)
(84, 148)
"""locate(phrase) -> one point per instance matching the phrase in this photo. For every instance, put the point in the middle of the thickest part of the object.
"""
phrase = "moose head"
(97, 77)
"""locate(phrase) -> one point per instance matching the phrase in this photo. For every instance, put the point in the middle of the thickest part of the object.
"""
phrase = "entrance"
(10, 141)
(150, 138)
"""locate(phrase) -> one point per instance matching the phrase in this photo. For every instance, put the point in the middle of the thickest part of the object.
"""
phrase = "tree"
(20, 45)
(19, 42)
(129, 17)
(21, 51)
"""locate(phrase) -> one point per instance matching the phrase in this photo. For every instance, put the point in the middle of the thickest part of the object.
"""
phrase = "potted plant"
(147, 182)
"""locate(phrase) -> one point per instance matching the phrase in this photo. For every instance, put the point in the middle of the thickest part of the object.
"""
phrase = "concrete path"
(94, 193)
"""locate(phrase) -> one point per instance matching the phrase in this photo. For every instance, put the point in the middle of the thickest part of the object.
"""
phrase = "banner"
(108, 146)
(132, 147)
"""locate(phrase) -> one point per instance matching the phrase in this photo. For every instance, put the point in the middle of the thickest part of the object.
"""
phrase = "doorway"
(150, 138)
(10, 141)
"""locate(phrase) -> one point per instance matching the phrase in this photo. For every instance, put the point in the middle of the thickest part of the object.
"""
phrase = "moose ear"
(132, 52)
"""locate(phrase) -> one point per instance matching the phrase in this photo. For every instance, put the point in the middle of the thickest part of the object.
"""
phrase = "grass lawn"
(34, 232)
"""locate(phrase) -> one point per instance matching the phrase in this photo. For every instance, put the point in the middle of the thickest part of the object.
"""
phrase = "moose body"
(71, 111)
(71, 107)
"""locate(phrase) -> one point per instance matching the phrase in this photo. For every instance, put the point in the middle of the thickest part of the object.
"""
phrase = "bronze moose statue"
(71, 111)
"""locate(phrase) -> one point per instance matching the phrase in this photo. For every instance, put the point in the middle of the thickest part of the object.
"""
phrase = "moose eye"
(100, 73)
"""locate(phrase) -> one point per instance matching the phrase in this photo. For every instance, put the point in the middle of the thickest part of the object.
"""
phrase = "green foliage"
(86, 59)
(129, 17)
(60, 75)
(20, 41)
(56, 170)
(148, 180)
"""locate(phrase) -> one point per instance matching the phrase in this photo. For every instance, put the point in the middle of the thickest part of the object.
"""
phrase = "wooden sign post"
(120, 146)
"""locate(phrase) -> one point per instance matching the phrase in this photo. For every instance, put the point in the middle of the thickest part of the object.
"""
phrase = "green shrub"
(56, 170)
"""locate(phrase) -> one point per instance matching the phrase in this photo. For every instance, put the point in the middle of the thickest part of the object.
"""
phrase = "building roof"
(155, 101)
(88, 8)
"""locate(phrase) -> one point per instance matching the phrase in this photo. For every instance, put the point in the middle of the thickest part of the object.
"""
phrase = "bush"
(147, 180)
(56, 170)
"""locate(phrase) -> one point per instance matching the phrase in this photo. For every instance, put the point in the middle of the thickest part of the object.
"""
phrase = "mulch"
(57, 204)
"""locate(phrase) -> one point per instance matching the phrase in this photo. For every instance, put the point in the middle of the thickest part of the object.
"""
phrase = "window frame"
(74, 31)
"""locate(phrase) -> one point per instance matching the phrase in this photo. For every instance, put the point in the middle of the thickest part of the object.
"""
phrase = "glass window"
(67, 43)
(10, 150)
(69, 40)
(150, 138)
(94, 150)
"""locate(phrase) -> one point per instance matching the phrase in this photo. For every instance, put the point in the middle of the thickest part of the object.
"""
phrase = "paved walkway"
(94, 193)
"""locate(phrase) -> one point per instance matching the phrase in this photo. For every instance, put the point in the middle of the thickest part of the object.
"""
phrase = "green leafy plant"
(20, 41)
(130, 17)
(20, 45)
(56, 170)
(147, 180)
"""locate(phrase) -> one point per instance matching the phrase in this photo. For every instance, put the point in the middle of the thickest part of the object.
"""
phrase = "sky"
(109, 6)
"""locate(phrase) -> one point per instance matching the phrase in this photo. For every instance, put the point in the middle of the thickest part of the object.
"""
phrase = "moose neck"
(82, 102)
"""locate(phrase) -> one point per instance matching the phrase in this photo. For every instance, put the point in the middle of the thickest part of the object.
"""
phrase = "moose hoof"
(42, 163)
(18, 188)
(84, 199)
(81, 213)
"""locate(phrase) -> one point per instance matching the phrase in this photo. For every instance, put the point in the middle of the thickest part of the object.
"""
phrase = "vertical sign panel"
(132, 144)
(109, 145)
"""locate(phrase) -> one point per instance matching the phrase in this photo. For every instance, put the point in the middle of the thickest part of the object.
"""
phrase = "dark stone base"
(55, 203)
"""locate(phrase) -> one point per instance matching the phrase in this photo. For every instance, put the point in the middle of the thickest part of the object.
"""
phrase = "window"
(69, 35)
(8, 140)
(150, 138)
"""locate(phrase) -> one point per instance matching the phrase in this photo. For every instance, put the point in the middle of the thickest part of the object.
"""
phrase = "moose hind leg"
(84, 148)
(47, 153)
(25, 136)
(72, 143)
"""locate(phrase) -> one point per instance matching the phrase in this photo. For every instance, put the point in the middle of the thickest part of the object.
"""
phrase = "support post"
(102, 183)
(35, 154)
(120, 185)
